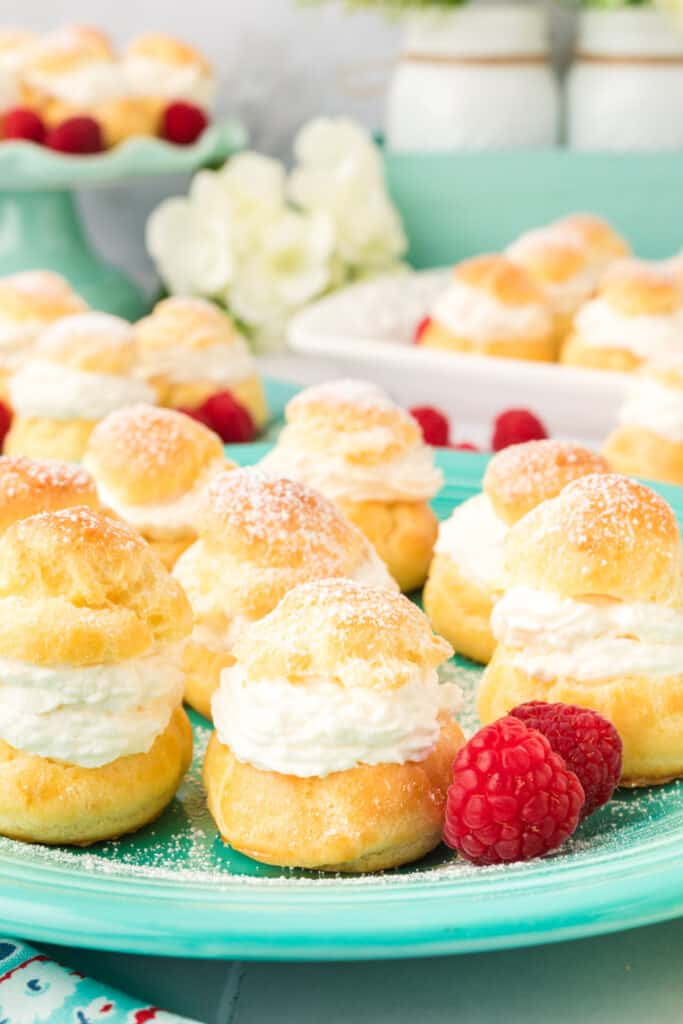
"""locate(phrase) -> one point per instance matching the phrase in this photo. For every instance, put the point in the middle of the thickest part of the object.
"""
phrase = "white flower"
(266, 245)
(192, 251)
(340, 172)
(290, 266)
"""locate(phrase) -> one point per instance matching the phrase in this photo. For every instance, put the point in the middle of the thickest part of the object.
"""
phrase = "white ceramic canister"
(477, 77)
(625, 89)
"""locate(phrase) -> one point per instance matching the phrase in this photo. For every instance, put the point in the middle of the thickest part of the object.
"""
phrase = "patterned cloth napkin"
(36, 990)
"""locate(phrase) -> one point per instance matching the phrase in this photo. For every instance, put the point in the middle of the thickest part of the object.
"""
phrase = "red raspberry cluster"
(514, 426)
(522, 784)
(181, 123)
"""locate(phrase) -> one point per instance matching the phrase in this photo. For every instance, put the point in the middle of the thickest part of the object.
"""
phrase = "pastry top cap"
(522, 476)
(187, 324)
(78, 588)
(92, 342)
(38, 295)
(341, 631)
(144, 454)
(503, 280)
(29, 486)
(637, 288)
(69, 48)
(278, 523)
(261, 536)
(603, 535)
(549, 256)
(596, 235)
(167, 49)
(354, 417)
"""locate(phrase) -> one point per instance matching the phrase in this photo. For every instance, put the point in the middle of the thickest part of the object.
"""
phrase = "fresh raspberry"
(5, 422)
(195, 414)
(231, 421)
(589, 744)
(512, 797)
(76, 135)
(433, 424)
(420, 329)
(464, 446)
(21, 123)
(183, 123)
(515, 426)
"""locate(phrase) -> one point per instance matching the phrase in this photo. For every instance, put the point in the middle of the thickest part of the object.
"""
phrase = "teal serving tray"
(174, 889)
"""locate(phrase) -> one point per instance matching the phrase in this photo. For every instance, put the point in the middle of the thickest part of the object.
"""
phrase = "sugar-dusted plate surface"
(24, 165)
(174, 889)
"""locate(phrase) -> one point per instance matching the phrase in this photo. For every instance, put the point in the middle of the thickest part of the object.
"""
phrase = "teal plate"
(174, 889)
(24, 165)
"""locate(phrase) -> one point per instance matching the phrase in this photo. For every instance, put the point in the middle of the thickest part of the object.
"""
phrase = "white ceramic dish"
(367, 329)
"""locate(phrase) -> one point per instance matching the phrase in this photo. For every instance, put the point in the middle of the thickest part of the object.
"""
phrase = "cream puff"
(29, 302)
(334, 740)
(492, 307)
(347, 439)
(190, 349)
(466, 574)
(82, 369)
(30, 486)
(259, 537)
(562, 269)
(636, 315)
(152, 467)
(15, 46)
(75, 71)
(93, 739)
(648, 440)
(602, 243)
(593, 615)
(160, 68)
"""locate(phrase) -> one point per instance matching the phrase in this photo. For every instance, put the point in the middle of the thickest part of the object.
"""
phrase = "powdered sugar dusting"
(282, 517)
(539, 469)
(618, 508)
(144, 439)
(22, 478)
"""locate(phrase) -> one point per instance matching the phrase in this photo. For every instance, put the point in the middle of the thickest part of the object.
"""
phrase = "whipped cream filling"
(319, 726)
(87, 86)
(410, 477)
(472, 313)
(589, 639)
(474, 538)
(655, 406)
(601, 326)
(52, 391)
(372, 572)
(161, 520)
(89, 716)
(566, 296)
(221, 363)
(146, 76)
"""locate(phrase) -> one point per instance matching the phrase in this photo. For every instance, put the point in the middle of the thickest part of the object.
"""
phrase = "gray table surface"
(634, 977)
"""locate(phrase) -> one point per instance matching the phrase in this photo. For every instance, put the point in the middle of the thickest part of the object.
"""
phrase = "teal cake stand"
(40, 224)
